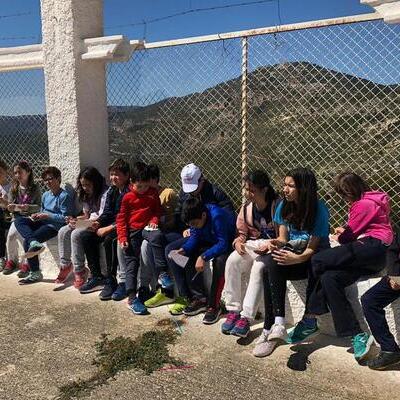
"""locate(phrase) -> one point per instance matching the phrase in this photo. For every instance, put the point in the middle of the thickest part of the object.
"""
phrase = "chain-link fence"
(23, 126)
(327, 98)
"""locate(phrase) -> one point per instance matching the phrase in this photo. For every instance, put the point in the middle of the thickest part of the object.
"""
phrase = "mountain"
(299, 114)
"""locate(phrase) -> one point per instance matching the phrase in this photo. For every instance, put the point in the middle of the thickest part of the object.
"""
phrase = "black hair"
(31, 186)
(192, 208)
(154, 172)
(350, 186)
(302, 214)
(93, 175)
(140, 172)
(120, 165)
(3, 165)
(53, 171)
(260, 179)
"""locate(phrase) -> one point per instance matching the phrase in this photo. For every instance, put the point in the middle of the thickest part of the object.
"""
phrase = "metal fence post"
(244, 110)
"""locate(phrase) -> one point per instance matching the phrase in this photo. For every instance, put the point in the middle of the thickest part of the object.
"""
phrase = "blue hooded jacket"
(218, 232)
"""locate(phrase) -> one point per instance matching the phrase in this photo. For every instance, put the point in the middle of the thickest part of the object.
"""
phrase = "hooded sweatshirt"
(369, 216)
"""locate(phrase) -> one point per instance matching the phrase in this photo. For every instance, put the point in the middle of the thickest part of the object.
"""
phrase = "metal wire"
(23, 124)
(327, 98)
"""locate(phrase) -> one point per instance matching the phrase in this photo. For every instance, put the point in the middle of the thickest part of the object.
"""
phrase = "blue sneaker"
(120, 292)
(361, 345)
(94, 284)
(230, 322)
(301, 332)
(241, 328)
(165, 281)
(137, 307)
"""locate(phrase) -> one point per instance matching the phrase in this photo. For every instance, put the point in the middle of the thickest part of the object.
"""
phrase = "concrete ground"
(48, 338)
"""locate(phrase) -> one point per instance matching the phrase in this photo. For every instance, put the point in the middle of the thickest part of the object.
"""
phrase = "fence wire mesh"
(23, 124)
(326, 98)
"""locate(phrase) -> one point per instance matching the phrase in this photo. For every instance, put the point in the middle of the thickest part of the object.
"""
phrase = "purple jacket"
(369, 216)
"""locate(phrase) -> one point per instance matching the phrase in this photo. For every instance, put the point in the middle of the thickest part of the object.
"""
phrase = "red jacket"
(137, 210)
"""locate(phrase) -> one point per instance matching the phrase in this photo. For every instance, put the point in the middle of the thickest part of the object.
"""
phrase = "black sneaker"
(212, 315)
(94, 284)
(109, 288)
(195, 307)
(384, 360)
(144, 294)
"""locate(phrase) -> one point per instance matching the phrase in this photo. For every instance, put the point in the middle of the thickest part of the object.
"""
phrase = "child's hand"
(39, 216)
(200, 264)
(394, 285)
(240, 248)
(94, 227)
(338, 231)
(275, 244)
(285, 257)
(186, 233)
(101, 232)
(124, 245)
(10, 207)
(153, 226)
(264, 248)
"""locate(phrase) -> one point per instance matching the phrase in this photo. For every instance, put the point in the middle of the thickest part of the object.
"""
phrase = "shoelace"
(231, 318)
(242, 323)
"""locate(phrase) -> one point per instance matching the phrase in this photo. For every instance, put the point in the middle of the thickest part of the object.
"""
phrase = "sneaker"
(212, 315)
(23, 270)
(384, 360)
(94, 284)
(10, 267)
(137, 307)
(64, 274)
(241, 328)
(33, 277)
(278, 333)
(180, 304)
(2, 263)
(195, 307)
(158, 300)
(120, 292)
(301, 332)
(144, 294)
(264, 347)
(165, 281)
(35, 248)
(80, 278)
(109, 289)
(361, 345)
(230, 322)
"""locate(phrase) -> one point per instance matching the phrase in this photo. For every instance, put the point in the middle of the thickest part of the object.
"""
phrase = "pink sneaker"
(80, 278)
(64, 274)
(23, 270)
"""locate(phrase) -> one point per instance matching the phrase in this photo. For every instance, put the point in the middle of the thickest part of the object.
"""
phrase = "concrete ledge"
(295, 303)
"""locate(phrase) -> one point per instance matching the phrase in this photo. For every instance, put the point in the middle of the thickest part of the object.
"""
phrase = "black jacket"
(210, 194)
(111, 208)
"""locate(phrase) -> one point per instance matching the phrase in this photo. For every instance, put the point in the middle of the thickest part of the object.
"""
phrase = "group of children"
(157, 245)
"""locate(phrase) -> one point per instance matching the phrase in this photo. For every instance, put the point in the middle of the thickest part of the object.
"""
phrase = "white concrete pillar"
(76, 100)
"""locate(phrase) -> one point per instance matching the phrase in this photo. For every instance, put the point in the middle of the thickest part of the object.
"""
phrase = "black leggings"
(275, 281)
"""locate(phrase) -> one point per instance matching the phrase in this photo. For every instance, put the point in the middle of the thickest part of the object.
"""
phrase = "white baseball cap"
(190, 176)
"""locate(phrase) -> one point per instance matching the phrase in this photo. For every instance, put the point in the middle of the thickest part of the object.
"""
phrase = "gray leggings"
(70, 248)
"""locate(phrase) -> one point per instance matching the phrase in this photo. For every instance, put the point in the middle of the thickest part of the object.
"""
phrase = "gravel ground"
(48, 338)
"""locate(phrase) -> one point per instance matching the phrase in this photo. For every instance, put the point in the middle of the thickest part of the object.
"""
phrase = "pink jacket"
(369, 216)
(245, 225)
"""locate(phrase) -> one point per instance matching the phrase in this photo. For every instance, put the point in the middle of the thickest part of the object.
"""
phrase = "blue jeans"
(30, 230)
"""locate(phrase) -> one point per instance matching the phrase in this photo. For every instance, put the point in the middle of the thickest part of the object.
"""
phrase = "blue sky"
(375, 66)
(120, 12)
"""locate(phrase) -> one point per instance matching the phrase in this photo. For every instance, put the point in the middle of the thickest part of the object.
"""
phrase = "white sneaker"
(278, 333)
(264, 347)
